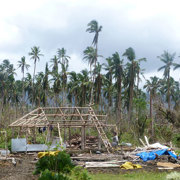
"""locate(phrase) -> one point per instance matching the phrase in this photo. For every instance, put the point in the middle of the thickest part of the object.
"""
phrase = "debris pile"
(150, 155)
(91, 142)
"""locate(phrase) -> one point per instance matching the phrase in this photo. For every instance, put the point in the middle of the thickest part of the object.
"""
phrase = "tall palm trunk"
(93, 79)
(168, 93)
(33, 83)
(119, 101)
(131, 87)
(151, 113)
(23, 96)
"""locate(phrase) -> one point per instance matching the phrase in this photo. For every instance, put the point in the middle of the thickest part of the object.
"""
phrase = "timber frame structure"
(66, 117)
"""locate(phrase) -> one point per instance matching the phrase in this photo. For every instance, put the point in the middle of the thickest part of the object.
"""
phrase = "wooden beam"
(83, 139)
(60, 138)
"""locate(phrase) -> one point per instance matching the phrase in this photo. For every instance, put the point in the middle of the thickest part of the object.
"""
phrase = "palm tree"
(45, 84)
(108, 89)
(93, 27)
(130, 54)
(29, 86)
(23, 65)
(64, 74)
(54, 64)
(167, 58)
(84, 84)
(7, 72)
(35, 55)
(39, 92)
(118, 75)
(98, 84)
(63, 60)
(56, 78)
(152, 86)
(176, 66)
(173, 89)
(175, 92)
(133, 71)
(90, 56)
(73, 88)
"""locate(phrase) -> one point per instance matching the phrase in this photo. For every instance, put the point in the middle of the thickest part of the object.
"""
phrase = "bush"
(128, 138)
(48, 175)
(60, 163)
(79, 173)
(176, 140)
(59, 167)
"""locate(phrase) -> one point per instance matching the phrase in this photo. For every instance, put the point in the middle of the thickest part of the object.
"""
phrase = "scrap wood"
(142, 142)
(167, 168)
(114, 163)
(168, 165)
(107, 162)
(146, 139)
(101, 164)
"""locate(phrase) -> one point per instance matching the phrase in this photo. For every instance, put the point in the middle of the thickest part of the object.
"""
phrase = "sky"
(148, 26)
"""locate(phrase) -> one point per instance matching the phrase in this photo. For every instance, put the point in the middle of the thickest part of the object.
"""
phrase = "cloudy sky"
(149, 26)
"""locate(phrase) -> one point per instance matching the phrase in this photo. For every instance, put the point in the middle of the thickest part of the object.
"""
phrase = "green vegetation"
(131, 176)
(59, 167)
(59, 163)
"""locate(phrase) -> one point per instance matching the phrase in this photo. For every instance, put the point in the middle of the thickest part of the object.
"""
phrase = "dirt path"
(22, 171)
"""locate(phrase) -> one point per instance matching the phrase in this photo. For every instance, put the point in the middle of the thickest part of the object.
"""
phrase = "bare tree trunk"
(131, 86)
(168, 94)
(33, 83)
(23, 96)
(119, 104)
(151, 114)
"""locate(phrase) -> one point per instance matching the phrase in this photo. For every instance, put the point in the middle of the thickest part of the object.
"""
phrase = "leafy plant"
(59, 163)
(176, 140)
(79, 173)
(48, 175)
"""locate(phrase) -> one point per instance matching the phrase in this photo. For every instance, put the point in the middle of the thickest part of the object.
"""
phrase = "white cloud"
(148, 26)
(76, 63)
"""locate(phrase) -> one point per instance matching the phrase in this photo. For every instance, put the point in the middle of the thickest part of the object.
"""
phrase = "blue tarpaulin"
(146, 156)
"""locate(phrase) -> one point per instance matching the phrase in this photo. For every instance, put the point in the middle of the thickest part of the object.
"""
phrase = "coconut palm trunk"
(168, 93)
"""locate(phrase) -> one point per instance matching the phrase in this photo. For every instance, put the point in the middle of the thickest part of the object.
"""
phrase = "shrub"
(59, 163)
(59, 167)
(48, 175)
(79, 173)
(176, 140)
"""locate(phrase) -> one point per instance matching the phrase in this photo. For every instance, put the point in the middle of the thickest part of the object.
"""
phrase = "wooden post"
(34, 134)
(65, 137)
(83, 138)
(60, 138)
(69, 137)
(99, 142)
(12, 134)
(19, 134)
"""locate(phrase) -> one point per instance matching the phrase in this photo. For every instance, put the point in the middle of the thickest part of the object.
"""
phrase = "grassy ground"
(131, 176)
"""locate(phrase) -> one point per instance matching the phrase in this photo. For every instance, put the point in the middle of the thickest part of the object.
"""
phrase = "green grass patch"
(131, 175)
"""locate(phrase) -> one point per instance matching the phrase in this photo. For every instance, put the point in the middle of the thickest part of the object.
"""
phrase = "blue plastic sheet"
(146, 156)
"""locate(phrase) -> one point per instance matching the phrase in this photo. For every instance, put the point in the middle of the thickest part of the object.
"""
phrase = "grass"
(131, 176)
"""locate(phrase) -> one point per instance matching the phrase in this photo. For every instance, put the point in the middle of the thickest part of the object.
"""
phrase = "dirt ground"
(26, 165)
(22, 171)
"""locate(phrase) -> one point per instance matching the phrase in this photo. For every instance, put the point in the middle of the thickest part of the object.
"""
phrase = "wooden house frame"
(67, 118)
